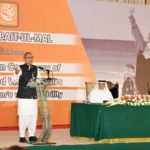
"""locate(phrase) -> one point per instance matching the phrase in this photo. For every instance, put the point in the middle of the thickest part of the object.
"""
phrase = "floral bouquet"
(132, 100)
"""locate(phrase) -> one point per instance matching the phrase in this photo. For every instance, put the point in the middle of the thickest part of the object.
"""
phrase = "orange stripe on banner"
(72, 75)
(6, 74)
(54, 88)
(8, 88)
(55, 74)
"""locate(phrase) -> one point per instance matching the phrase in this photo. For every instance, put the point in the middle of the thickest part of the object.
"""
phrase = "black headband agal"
(99, 81)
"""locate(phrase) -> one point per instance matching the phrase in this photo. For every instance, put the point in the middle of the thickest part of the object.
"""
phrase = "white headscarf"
(98, 96)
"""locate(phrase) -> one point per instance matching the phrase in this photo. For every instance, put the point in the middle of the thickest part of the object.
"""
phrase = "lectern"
(41, 85)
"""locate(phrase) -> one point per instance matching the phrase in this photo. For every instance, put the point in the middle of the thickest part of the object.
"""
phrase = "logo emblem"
(8, 14)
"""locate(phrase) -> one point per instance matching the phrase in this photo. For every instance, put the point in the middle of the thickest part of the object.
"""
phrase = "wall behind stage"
(106, 34)
(46, 29)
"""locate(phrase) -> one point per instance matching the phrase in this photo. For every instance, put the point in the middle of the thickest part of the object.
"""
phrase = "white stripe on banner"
(60, 81)
(37, 37)
(10, 95)
(59, 68)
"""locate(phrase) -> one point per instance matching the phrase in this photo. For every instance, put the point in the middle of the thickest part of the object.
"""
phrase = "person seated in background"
(100, 93)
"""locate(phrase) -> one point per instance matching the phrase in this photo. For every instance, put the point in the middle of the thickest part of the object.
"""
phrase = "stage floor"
(60, 136)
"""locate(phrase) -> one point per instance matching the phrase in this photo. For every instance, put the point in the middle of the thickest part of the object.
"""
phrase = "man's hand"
(131, 12)
(17, 70)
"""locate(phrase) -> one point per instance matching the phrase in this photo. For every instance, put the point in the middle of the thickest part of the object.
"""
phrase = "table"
(101, 122)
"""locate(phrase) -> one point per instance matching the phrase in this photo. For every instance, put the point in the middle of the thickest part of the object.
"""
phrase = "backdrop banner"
(46, 29)
(117, 40)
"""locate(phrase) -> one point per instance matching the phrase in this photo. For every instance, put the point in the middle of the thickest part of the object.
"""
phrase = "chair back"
(89, 86)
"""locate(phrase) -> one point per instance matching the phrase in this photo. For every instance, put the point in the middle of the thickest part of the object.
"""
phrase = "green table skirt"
(100, 122)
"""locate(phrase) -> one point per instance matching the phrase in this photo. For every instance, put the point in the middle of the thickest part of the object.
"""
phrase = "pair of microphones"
(47, 70)
(32, 69)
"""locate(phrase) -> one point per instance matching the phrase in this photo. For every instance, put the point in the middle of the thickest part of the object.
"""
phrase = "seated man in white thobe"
(27, 98)
(100, 93)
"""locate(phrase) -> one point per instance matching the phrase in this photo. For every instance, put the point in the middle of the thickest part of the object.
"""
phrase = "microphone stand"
(48, 72)
(41, 88)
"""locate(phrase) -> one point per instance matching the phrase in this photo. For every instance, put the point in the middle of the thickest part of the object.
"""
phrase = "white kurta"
(98, 96)
(27, 112)
(25, 106)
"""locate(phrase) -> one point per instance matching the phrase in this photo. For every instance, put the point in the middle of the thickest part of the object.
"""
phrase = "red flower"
(137, 97)
(132, 97)
(126, 98)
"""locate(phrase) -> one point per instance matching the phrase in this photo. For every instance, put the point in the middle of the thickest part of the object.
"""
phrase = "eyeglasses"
(29, 58)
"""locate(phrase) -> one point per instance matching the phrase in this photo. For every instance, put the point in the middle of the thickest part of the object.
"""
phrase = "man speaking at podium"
(27, 98)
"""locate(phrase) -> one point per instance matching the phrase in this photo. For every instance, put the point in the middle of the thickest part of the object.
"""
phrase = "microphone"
(41, 68)
(48, 71)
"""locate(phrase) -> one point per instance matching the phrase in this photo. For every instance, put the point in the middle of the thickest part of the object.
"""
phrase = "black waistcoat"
(23, 90)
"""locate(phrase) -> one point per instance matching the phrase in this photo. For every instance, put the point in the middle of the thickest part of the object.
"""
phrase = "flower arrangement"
(132, 100)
